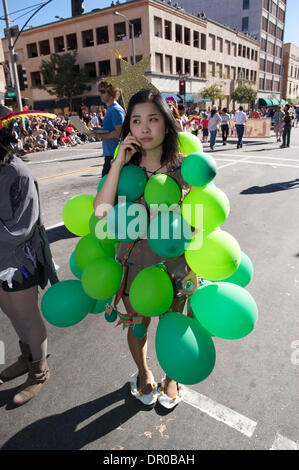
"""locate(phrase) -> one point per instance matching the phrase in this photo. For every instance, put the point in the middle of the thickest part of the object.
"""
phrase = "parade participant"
(149, 128)
(205, 128)
(278, 123)
(25, 264)
(112, 122)
(240, 119)
(286, 135)
(225, 118)
(214, 120)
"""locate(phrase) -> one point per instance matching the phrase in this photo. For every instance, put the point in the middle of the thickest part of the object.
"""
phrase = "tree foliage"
(213, 93)
(244, 94)
(62, 77)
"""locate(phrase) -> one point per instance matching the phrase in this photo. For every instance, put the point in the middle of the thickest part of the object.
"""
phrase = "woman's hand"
(127, 149)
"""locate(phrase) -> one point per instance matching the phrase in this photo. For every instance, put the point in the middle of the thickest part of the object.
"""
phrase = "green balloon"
(169, 234)
(132, 181)
(185, 351)
(214, 257)
(101, 278)
(76, 214)
(98, 229)
(66, 304)
(100, 306)
(225, 310)
(243, 275)
(151, 292)
(189, 143)
(127, 221)
(198, 169)
(88, 249)
(162, 190)
(75, 270)
(101, 182)
(205, 208)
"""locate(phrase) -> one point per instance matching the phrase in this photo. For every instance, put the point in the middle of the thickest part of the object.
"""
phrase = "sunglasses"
(102, 91)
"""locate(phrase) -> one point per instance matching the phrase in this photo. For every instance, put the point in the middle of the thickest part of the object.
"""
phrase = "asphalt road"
(250, 400)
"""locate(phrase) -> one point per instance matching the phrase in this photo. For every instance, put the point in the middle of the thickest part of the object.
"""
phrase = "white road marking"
(77, 157)
(60, 224)
(263, 156)
(283, 443)
(220, 412)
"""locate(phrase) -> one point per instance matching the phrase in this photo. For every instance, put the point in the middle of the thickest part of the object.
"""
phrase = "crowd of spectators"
(42, 133)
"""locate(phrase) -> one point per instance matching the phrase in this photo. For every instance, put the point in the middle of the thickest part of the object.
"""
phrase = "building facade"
(180, 45)
(263, 19)
(290, 80)
(3, 68)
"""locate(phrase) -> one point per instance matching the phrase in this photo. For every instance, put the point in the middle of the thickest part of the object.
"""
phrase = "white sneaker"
(168, 402)
(146, 399)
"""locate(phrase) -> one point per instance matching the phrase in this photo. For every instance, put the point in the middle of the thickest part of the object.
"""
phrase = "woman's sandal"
(146, 399)
(169, 402)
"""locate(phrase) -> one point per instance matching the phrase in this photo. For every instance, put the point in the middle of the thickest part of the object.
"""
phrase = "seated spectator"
(65, 140)
(52, 140)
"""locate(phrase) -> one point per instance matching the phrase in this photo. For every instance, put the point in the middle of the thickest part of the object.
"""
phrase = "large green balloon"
(169, 234)
(162, 190)
(151, 292)
(76, 271)
(132, 181)
(101, 278)
(76, 214)
(198, 169)
(66, 304)
(218, 257)
(189, 143)
(205, 208)
(185, 351)
(225, 310)
(88, 249)
(127, 221)
(101, 182)
(100, 306)
(243, 275)
(99, 230)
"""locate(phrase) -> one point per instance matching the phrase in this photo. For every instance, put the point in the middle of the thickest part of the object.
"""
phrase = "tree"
(62, 77)
(244, 94)
(213, 93)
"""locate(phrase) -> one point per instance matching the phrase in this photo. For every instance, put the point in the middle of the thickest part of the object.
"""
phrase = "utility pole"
(12, 58)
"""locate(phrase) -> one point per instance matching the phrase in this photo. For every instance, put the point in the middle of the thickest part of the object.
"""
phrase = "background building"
(3, 66)
(263, 19)
(290, 82)
(181, 46)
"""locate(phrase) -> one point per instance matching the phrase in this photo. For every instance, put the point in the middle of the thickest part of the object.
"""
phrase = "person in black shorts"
(25, 264)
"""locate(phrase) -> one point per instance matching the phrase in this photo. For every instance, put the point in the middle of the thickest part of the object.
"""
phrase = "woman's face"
(147, 124)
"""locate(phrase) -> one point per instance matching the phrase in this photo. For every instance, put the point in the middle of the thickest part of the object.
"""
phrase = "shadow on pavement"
(59, 233)
(61, 431)
(273, 187)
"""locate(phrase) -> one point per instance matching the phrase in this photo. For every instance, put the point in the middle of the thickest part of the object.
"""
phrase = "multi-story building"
(179, 44)
(290, 79)
(263, 19)
(2, 76)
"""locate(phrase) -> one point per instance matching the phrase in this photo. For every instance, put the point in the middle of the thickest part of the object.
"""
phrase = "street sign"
(11, 94)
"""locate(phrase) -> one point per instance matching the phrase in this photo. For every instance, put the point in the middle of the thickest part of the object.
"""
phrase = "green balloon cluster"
(161, 190)
(76, 214)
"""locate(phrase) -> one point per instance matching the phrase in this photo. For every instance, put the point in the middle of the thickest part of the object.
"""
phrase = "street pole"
(131, 25)
(12, 58)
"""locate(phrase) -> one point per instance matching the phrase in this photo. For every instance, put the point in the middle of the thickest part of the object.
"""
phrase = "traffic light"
(182, 87)
(77, 7)
(22, 74)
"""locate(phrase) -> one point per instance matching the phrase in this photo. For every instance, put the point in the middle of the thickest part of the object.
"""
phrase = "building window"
(90, 69)
(245, 4)
(219, 70)
(219, 44)
(87, 38)
(138, 58)
(233, 73)
(102, 35)
(178, 65)
(120, 31)
(195, 39)
(159, 62)
(187, 66)
(245, 23)
(71, 42)
(167, 30)
(227, 47)
(203, 70)
(35, 79)
(118, 70)
(168, 64)
(234, 46)
(32, 50)
(227, 71)
(104, 68)
(137, 28)
(203, 41)
(59, 44)
(187, 36)
(178, 33)
(212, 41)
(212, 69)
(158, 27)
(44, 47)
(196, 68)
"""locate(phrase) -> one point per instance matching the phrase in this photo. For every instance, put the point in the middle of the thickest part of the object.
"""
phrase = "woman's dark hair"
(224, 110)
(6, 152)
(170, 145)
(214, 111)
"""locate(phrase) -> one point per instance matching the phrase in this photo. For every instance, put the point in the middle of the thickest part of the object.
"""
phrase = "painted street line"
(71, 159)
(283, 443)
(262, 156)
(60, 224)
(220, 412)
(61, 175)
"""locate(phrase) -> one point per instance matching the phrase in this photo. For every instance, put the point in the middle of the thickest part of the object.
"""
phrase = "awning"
(264, 102)
(93, 100)
(45, 104)
(275, 102)
(282, 102)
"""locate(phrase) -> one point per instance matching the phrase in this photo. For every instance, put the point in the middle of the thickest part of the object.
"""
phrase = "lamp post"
(132, 32)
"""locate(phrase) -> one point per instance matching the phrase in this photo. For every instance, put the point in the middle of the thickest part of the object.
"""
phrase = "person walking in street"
(225, 118)
(240, 120)
(278, 123)
(205, 127)
(286, 135)
(25, 264)
(112, 122)
(214, 121)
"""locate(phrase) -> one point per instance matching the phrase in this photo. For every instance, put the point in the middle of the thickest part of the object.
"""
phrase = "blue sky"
(62, 8)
